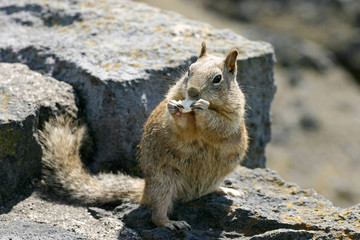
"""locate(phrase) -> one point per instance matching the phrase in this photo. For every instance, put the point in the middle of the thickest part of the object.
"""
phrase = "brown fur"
(183, 155)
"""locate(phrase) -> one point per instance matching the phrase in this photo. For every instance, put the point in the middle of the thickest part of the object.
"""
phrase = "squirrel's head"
(211, 76)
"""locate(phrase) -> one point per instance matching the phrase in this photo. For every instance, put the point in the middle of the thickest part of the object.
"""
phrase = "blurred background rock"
(316, 110)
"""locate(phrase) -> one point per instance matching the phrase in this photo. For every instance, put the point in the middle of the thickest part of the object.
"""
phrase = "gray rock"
(20, 152)
(26, 97)
(121, 57)
(295, 53)
(51, 96)
(23, 230)
(270, 209)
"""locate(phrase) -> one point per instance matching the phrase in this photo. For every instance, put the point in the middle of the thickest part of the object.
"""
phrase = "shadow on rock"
(206, 216)
(7, 206)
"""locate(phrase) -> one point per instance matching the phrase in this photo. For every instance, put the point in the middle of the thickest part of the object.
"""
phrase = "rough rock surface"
(121, 57)
(20, 152)
(51, 96)
(269, 209)
(18, 230)
(26, 96)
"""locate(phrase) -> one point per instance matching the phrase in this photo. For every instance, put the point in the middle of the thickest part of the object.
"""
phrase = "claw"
(177, 225)
(230, 191)
(173, 107)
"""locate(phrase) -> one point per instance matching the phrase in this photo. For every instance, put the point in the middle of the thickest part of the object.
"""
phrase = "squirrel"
(191, 141)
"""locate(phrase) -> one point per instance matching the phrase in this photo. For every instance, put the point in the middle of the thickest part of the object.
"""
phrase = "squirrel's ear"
(230, 60)
(203, 50)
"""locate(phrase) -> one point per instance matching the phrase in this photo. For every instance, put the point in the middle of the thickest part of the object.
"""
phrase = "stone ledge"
(35, 231)
(270, 209)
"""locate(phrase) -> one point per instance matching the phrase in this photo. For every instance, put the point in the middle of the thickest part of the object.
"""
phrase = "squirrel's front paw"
(173, 106)
(200, 104)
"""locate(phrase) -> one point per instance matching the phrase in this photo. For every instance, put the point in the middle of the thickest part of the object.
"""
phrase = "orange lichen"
(106, 66)
(293, 219)
(91, 42)
(110, 66)
(87, 4)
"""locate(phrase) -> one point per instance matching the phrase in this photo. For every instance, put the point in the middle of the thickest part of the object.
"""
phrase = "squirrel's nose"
(193, 93)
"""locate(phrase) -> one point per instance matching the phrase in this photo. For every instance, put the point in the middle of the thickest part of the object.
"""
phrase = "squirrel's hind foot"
(230, 191)
(173, 225)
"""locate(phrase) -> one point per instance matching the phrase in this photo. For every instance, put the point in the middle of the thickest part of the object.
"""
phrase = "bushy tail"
(62, 138)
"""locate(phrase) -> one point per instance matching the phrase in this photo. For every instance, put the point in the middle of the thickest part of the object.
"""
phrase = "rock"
(50, 210)
(26, 97)
(271, 209)
(294, 52)
(18, 230)
(51, 96)
(20, 152)
(121, 57)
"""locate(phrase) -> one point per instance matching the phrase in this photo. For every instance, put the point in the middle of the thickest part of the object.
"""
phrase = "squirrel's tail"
(61, 140)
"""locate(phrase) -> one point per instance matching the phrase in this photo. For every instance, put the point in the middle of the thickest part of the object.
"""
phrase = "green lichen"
(8, 139)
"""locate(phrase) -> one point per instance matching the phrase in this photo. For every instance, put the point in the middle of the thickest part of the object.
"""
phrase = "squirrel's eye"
(217, 79)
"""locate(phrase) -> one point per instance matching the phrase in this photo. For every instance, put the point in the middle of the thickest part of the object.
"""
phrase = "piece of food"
(185, 105)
